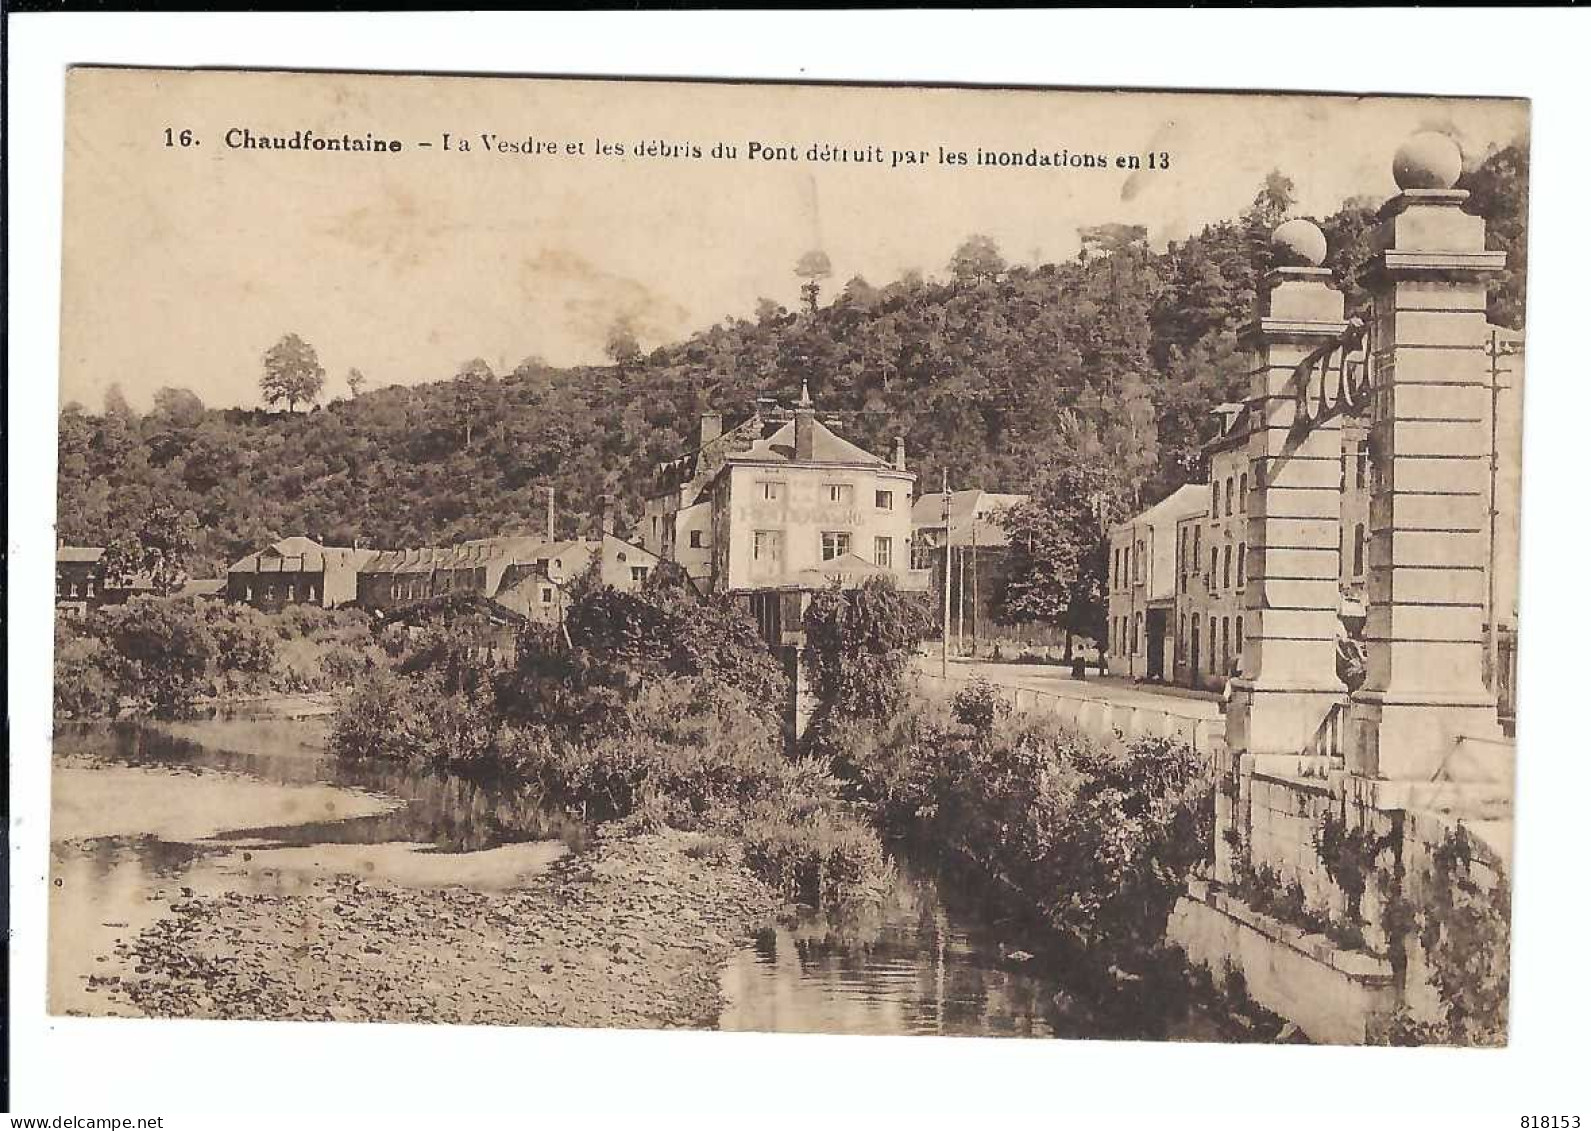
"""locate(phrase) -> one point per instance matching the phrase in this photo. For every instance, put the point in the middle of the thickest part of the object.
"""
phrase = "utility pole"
(961, 603)
(944, 634)
(974, 579)
(1495, 350)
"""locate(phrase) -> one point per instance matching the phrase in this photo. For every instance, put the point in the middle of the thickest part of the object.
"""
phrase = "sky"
(182, 264)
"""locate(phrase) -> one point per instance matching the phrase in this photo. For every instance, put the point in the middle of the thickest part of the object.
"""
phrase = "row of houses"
(1179, 570)
(768, 512)
(527, 574)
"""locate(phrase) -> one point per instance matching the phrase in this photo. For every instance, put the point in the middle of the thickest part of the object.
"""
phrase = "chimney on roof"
(605, 515)
(712, 427)
(806, 419)
(900, 453)
(552, 532)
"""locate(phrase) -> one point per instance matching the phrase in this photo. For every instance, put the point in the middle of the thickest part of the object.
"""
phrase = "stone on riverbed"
(631, 934)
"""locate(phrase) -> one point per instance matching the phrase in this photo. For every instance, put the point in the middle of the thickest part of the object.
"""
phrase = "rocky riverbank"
(631, 934)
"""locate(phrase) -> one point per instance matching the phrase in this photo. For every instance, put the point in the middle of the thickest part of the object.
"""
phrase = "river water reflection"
(256, 805)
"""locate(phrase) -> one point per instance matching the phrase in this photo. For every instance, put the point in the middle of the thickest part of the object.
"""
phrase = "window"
(1213, 668)
(312, 592)
(1182, 636)
(1359, 550)
(884, 552)
(546, 594)
(1226, 566)
(1137, 627)
(1242, 563)
(836, 543)
(1226, 645)
(1138, 564)
(74, 589)
(696, 539)
(767, 546)
(638, 573)
(884, 500)
(1237, 635)
(1362, 465)
(841, 493)
(1242, 492)
(772, 490)
(88, 589)
(654, 526)
(1228, 494)
(1215, 500)
(1193, 564)
(248, 592)
(1215, 564)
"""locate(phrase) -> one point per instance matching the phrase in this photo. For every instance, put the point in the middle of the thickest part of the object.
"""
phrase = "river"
(144, 812)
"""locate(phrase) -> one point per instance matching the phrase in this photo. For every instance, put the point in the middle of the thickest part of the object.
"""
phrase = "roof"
(298, 554)
(79, 553)
(1189, 499)
(848, 569)
(971, 512)
(827, 447)
(680, 470)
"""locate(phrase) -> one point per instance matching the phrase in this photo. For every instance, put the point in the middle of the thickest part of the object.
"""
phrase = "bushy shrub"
(1128, 844)
(858, 646)
(825, 859)
(621, 636)
(413, 719)
(89, 674)
(167, 646)
(1099, 843)
(244, 637)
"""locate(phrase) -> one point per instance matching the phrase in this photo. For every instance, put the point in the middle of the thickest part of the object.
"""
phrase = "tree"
(812, 266)
(356, 382)
(977, 260)
(858, 646)
(623, 348)
(293, 372)
(470, 387)
(1059, 555)
(160, 548)
(180, 408)
(116, 403)
(1499, 191)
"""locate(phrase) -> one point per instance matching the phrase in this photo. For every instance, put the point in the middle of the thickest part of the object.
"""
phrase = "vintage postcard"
(778, 557)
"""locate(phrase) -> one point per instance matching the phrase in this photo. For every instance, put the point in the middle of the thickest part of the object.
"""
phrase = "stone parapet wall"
(1098, 717)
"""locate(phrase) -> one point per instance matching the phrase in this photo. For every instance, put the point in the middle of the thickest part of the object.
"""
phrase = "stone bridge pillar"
(1289, 680)
(1429, 466)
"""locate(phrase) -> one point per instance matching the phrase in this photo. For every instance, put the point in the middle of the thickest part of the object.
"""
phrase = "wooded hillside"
(1006, 376)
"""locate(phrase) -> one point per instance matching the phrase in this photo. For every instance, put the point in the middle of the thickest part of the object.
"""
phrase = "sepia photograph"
(787, 557)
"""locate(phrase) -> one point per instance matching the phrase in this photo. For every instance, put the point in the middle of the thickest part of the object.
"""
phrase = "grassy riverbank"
(631, 934)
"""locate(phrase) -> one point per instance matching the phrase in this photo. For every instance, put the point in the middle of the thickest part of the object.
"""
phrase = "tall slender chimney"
(806, 419)
(605, 515)
(552, 529)
(712, 427)
(900, 453)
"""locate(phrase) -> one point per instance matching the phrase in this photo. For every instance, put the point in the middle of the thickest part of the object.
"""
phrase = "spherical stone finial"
(1428, 160)
(1300, 240)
